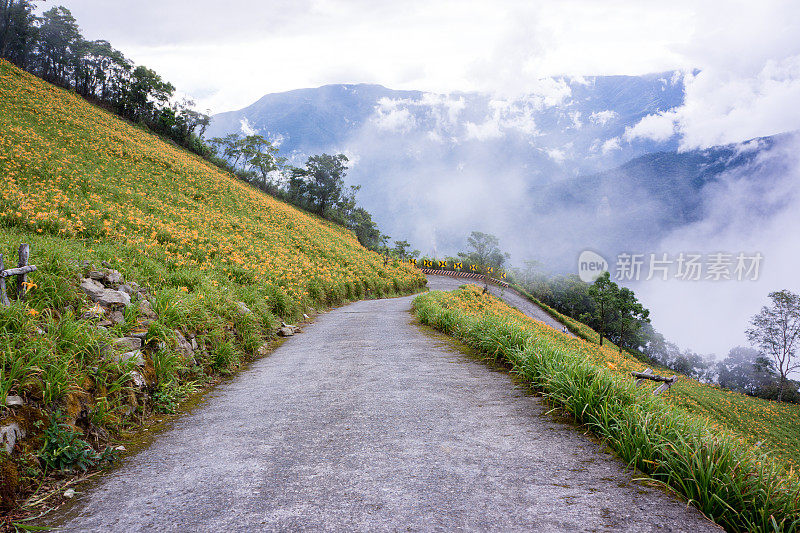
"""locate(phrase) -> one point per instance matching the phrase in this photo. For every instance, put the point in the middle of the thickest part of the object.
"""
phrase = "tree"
(18, 31)
(746, 370)
(324, 181)
(629, 315)
(147, 93)
(367, 232)
(604, 293)
(775, 332)
(400, 248)
(60, 40)
(261, 158)
(485, 250)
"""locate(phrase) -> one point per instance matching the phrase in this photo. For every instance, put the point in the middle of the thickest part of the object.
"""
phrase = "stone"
(285, 332)
(10, 435)
(184, 347)
(96, 311)
(113, 277)
(93, 289)
(141, 335)
(146, 310)
(116, 317)
(243, 308)
(135, 356)
(69, 493)
(127, 289)
(14, 401)
(96, 275)
(138, 379)
(194, 343)
(264, 349)
(128, 344)
(305, 316)
(112, 298)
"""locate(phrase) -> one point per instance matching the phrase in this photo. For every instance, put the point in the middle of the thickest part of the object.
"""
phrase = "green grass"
(731, 482)
(771, 425)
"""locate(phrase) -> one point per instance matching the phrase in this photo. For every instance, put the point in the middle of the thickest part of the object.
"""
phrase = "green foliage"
(484, 250)
(168, 396)
(63, 448)
(775, 332)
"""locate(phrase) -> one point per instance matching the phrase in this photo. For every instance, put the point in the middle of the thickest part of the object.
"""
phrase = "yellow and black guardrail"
(459, 270)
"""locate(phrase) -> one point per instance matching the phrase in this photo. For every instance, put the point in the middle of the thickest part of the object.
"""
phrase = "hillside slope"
(209, 268)
(72, 170)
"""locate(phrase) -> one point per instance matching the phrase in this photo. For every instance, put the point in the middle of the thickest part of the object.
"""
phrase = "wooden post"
(3, 295)
(24, 253)
(639, 380)
(666, 383)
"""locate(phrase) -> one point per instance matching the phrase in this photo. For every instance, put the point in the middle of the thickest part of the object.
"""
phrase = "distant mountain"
(551, 172)
(574, 123)
(308, 120)
(631, 207)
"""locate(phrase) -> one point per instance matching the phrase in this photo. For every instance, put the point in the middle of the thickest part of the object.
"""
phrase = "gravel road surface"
(368, 422)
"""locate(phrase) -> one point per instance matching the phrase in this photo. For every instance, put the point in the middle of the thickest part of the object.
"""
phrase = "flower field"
(732, 456)
(72, 170)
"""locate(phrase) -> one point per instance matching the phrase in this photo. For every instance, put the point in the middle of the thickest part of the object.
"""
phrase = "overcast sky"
(228, 54)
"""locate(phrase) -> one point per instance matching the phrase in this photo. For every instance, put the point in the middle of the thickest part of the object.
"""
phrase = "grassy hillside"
(219, 263)
(72, 170)
(731, 455)
(773, 426)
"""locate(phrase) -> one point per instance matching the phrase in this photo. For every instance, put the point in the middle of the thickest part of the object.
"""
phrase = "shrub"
(63, 448)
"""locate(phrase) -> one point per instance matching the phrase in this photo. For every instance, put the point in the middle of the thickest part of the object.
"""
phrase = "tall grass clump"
(729, 481)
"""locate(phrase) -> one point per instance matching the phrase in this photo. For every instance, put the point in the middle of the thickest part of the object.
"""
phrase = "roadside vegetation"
(220, 263)
(730, 455)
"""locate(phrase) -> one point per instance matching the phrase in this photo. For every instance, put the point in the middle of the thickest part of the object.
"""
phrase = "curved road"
(368, 422)
(510, 296)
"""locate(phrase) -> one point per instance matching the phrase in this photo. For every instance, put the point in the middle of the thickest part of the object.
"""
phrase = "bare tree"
(775, 332)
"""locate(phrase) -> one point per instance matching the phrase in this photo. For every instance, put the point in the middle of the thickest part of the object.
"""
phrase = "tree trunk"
(780, 388)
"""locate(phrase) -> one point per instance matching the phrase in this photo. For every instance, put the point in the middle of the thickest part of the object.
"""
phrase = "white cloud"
(505, 116)
(487, 130)
(247, 128)
(575, 116)
(658, 127)
(610, 144)
(556, 154)
(390, 117)
(726, 107)
(602, 118)
(747, 211)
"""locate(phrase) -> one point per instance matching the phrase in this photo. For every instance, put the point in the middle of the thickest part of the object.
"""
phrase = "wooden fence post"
(24, 252)
(3, 295)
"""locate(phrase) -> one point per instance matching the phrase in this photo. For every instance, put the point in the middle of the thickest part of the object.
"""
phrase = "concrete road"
(367, 422)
